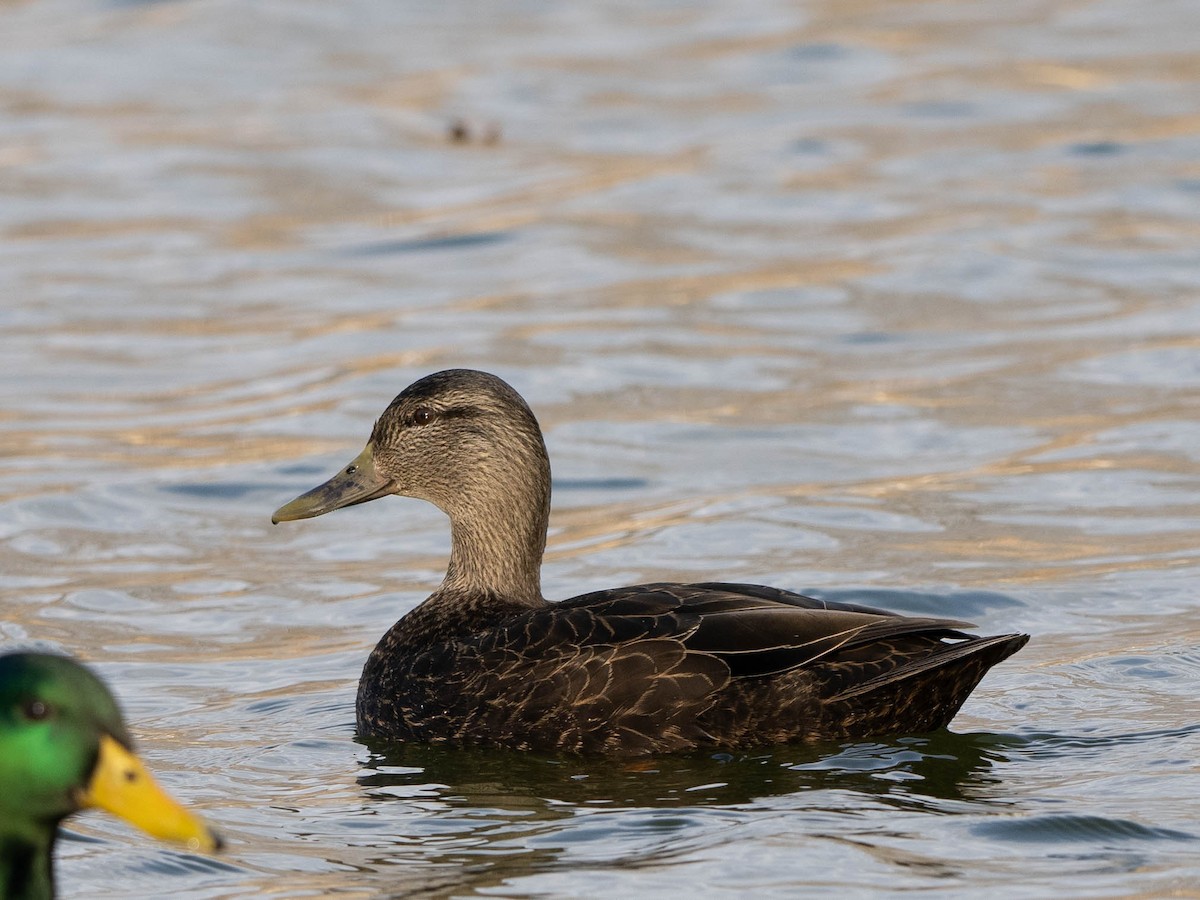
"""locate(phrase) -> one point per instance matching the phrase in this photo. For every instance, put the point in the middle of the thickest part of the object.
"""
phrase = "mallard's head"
(64, 747)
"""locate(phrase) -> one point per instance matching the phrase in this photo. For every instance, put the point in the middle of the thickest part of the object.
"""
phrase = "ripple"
(1163, 366)
(420, 245)
(956, 604)
(1053, 746)
(1076, 828)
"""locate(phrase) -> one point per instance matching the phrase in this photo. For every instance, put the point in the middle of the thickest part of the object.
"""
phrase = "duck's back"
(668, 667)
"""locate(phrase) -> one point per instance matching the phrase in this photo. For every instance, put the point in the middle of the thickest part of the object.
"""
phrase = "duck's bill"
(122, 785)
(356, 483)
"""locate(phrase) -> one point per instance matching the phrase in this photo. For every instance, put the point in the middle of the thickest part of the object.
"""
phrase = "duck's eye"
(351, 469)
(35, 710)
(422, 415)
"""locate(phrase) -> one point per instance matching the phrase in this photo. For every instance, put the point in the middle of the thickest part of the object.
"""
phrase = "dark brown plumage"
(632, 670)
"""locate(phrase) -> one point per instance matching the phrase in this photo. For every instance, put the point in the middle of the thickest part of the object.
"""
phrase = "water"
(895, 302)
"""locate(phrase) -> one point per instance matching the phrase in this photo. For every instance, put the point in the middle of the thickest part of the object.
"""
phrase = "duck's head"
(460, 439)
(466, 442)
(65, 747)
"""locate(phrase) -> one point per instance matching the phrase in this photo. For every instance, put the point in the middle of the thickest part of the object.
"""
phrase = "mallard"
(64, 747)
(650, 668)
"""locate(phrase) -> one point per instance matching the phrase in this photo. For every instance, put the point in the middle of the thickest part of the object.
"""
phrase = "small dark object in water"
(461, 132)
(632, 670)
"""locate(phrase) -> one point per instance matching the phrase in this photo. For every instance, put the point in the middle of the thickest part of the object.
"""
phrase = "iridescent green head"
(53, 713)
(64, 747)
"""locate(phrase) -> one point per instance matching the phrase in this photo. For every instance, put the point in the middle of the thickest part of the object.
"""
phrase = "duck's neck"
(496, 551)
(494, 572)
(27, 867)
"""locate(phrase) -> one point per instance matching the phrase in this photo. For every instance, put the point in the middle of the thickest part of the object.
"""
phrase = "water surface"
(890, 302)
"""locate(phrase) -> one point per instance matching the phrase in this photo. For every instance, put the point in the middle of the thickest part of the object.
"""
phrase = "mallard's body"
(642, 669)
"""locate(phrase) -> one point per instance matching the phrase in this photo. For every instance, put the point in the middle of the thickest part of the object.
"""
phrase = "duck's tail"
(920, 695)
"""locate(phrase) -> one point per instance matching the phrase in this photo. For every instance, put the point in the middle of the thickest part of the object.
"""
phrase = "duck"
(486, 660)
(64, 747)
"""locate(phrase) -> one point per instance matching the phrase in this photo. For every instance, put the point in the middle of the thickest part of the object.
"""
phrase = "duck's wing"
(761, 631)
(867, 671)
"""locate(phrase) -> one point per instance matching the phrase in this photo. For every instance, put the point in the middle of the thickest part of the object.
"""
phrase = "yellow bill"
(122, 785)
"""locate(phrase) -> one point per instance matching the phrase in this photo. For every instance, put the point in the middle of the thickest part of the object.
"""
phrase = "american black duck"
(631, 670)
(64, 747)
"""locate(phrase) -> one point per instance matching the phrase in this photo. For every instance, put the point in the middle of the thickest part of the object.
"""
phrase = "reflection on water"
(493, 813)
(945, 764)
(892, 303)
